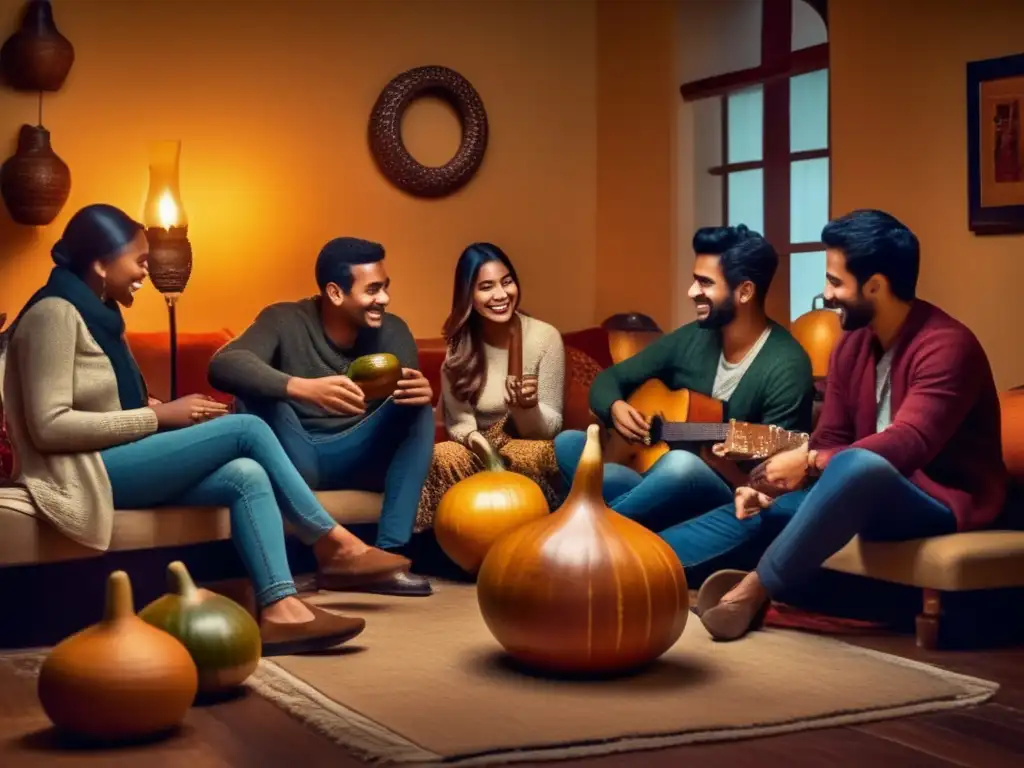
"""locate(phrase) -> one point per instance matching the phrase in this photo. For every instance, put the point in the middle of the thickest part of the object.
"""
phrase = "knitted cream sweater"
(62, 409)
(543, 356)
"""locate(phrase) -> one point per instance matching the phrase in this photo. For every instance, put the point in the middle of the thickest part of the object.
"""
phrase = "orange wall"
(899, 141)
(271, 101)
(636, 135)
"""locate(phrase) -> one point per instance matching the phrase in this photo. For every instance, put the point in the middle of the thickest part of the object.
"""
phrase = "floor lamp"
(170, 253)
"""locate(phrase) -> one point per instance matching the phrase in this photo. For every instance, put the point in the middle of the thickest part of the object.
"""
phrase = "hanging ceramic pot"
(37, 57)
(34, 182)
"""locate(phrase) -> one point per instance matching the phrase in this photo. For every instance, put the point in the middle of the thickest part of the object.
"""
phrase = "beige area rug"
(426, 683)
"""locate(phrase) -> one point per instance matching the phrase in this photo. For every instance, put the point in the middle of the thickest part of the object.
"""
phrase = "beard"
(854, 314)
(719, 315)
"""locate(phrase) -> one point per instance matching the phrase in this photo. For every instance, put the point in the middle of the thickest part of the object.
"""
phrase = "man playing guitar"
(733, 353)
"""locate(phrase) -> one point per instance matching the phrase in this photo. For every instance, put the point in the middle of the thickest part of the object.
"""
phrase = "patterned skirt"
(453, 462)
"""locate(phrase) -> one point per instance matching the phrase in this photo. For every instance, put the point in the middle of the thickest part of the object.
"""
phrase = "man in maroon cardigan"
(908, 444)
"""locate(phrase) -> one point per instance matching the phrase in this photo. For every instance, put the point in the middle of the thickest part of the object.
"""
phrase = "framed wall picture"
(995, 145)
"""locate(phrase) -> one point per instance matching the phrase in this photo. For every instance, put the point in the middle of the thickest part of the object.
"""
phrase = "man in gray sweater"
(289, 368)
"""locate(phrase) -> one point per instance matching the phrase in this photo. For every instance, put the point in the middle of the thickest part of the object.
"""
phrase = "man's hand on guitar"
(729, 470)
(629, 423)
(786, 471)
(750, 502)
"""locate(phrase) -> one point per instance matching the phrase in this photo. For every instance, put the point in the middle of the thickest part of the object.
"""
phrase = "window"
(775, 166)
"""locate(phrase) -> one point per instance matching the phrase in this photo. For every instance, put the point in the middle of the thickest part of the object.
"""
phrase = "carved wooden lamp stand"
(170, 253)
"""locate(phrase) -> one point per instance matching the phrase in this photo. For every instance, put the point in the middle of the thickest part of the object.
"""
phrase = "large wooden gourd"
(377, 375)
(585, 589)
(818, 332)
(478, 510)
(120, 679)
(221, 636)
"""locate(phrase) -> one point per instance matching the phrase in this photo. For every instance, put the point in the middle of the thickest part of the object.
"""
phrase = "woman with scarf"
(90, 440)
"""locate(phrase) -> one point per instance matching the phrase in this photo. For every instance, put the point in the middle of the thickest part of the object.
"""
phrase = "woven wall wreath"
(394, 160)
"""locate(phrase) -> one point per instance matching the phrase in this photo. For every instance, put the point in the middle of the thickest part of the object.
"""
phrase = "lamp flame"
(167, 210)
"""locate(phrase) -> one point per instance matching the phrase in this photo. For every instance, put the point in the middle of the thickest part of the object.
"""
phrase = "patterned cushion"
(580, 370)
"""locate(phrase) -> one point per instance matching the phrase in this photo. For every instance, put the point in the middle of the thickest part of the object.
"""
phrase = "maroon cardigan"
(945, 434)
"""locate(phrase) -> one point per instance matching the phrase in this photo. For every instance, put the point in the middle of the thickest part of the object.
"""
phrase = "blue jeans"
(859, 493)
(389, 451)
(234, 461)
(679, 486)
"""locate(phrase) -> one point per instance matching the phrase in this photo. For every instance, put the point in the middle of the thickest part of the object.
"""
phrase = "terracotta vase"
(34, 181)
(37, 57)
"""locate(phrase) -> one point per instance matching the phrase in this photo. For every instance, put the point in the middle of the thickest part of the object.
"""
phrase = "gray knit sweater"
(287, 340)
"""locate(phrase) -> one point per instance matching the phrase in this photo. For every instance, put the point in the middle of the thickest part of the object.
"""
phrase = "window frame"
(778, 65)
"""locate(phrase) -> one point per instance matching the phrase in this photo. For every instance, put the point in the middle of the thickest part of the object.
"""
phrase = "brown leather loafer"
(373, 565)
(401, 584)
(731, 621)
(324, 631)
(727, 621)
(715, 587)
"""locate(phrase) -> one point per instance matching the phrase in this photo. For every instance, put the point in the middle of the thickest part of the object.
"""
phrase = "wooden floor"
(251, 732)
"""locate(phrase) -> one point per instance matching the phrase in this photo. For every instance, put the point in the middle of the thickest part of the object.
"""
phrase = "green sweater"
(778, 388)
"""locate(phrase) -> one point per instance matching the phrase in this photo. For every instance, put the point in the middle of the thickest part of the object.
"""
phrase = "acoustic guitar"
(684, 416)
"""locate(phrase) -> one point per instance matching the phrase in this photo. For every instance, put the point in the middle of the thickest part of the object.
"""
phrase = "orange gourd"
(119, 679)
(818, 332)
(629, 333)
(1011, 409)
(222, 637)
(585, 589)
(477, 510)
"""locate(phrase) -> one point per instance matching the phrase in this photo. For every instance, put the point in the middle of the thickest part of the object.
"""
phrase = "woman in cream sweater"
(89, 439)
(483, 399)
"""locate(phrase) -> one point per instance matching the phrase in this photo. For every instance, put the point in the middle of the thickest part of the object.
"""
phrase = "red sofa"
(587, 352)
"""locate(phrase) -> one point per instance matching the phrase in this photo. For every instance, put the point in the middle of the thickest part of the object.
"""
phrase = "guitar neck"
(693, 432)
(739, 439)
(700, 418)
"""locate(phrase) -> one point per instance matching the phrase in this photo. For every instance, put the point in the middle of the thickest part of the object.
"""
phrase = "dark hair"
(334, 263)
(465, 360)
(877, 243)
(742, 255)
(97, 232)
